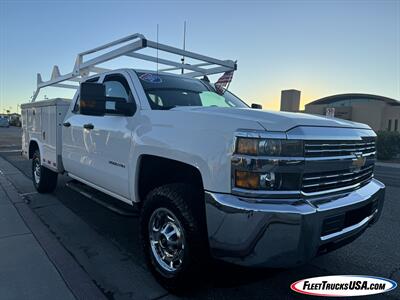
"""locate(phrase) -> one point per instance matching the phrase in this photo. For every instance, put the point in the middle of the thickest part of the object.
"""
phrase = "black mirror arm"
(256, 106)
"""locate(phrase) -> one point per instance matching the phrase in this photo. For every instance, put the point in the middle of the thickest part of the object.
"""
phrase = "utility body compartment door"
(49, 137)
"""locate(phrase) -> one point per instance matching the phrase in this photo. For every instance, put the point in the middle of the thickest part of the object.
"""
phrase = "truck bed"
(42, 122)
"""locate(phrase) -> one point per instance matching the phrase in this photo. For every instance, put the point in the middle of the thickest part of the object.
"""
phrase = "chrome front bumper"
(279, 233)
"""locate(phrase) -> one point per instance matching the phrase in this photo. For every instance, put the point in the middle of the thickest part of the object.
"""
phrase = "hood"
(273, 120)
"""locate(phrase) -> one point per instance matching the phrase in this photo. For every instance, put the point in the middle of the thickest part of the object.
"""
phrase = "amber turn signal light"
(247, 180)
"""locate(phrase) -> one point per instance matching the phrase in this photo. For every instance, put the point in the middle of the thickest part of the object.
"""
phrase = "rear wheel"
(44, 180)
(173, 236)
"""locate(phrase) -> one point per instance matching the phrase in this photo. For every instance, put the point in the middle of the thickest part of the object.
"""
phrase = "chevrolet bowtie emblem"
(358, 162)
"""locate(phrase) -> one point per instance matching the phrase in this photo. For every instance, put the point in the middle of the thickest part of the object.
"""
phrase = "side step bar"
(102, 199)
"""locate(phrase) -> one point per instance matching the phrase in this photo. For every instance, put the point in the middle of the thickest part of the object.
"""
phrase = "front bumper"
(271, 234)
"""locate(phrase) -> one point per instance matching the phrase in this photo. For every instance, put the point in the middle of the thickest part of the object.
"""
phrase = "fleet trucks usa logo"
(343, 286)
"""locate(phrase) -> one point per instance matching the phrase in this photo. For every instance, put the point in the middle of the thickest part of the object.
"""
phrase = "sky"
(318, 47)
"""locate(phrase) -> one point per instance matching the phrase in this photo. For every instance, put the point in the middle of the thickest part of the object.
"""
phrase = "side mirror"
(256, 106)
(92, 99)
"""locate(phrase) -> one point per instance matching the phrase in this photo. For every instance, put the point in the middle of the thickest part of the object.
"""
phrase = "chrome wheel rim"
(167, 241)
(36, 170)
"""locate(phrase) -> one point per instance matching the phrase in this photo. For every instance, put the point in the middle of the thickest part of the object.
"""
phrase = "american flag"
(223, 82)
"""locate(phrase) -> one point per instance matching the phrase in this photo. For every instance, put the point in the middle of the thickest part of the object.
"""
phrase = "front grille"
(324, 181)
(318, 148)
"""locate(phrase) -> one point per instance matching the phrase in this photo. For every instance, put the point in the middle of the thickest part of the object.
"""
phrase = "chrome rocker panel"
(271, 234)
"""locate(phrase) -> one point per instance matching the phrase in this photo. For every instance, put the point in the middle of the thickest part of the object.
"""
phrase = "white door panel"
(75, 147)
(107, 148)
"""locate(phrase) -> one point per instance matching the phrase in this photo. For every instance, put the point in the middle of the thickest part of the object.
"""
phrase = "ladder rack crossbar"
(163, 61)
(114, 43)
(180, 67)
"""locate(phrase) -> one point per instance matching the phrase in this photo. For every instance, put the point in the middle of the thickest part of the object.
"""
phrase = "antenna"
(157, 49)
(184, 45)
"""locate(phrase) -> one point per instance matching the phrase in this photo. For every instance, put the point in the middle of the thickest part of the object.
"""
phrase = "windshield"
(168, 91)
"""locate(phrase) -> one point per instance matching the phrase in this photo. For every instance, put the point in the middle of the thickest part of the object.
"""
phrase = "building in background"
(290, 100)
(381, 113)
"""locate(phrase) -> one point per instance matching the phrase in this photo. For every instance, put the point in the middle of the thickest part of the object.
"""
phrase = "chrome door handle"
(88, 126)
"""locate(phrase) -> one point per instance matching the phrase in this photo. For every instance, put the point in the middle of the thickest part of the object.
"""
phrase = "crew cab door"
(104, 141)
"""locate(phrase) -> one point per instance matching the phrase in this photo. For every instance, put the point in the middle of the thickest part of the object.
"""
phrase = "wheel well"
(155, 171)
(33, 146)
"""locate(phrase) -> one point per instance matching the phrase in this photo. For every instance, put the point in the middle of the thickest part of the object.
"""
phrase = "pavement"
(103, 248)
(388, 164)
(33, 265)
(22, 257)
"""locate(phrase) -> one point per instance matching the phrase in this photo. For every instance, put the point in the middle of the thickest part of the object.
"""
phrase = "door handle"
(66, 124)
(88, 126)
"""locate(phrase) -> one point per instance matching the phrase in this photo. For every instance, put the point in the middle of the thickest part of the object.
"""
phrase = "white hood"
(275, 121)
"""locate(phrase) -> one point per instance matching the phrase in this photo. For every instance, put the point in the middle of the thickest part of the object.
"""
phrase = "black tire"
(190, 216)
(44, 179)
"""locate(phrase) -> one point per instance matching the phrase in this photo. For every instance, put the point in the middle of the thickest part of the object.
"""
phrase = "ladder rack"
(82, 68)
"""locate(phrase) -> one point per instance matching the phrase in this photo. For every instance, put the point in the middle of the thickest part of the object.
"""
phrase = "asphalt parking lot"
(106, 244)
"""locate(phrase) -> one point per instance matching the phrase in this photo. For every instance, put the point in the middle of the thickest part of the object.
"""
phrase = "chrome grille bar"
(333, 180)
(341, 145)
(307, 178)
(339, 148)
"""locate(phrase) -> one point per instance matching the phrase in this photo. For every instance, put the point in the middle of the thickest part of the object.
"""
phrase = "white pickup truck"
(211, 176)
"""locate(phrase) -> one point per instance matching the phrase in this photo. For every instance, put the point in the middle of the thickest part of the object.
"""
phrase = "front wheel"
(173, 236)
(44, 180)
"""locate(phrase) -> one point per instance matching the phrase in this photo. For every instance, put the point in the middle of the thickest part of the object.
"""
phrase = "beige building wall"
(370, 113)
(391, 113)
(317, 109)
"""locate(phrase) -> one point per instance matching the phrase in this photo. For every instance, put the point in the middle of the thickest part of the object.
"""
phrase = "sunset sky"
(318, 47)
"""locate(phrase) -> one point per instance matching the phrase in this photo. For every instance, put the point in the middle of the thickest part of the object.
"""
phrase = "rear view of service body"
(210, 176)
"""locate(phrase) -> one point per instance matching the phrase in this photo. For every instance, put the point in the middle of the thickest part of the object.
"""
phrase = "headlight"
(268, 164)
(269, 147)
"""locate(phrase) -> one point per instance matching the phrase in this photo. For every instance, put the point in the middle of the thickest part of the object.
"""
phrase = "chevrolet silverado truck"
(210, 176)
